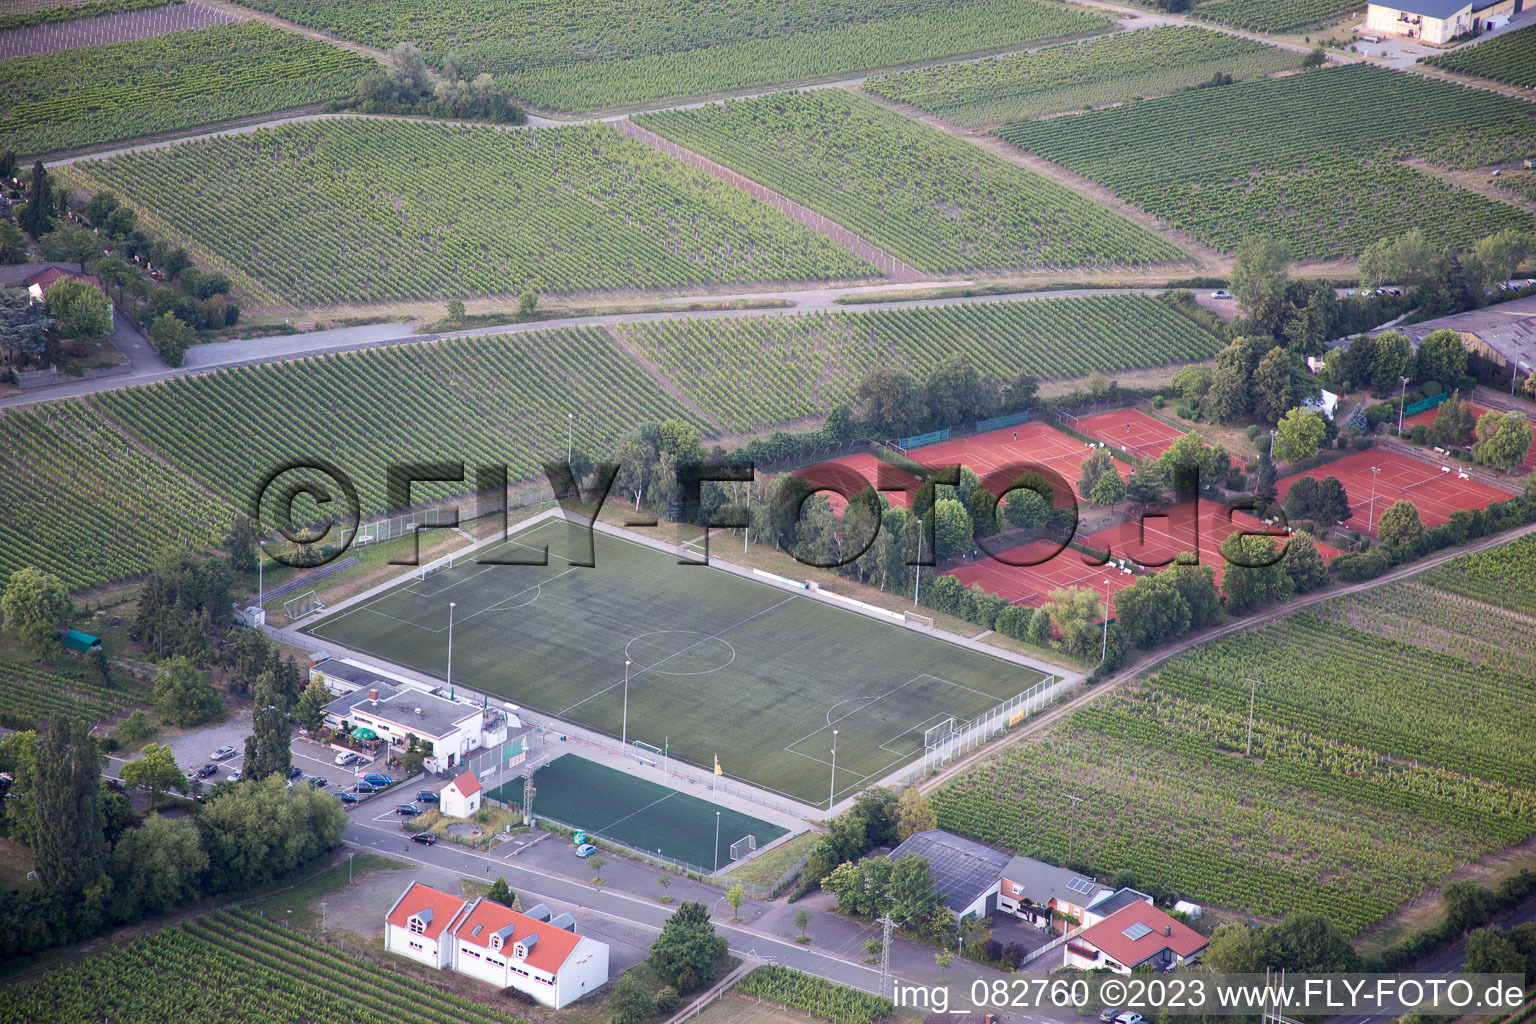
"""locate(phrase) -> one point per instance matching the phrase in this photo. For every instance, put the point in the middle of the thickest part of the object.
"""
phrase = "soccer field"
(720, 665)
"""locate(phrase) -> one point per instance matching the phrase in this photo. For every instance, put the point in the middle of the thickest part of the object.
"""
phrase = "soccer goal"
(433, 568)
(647, 753)
(937, 734)
(298, 607)
(743, 846)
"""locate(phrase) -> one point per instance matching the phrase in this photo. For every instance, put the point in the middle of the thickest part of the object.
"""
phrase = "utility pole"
(885, 951)
(1370, 513)
(1253, 689)
(832, 782)
(528, 792)
(624, 732)
(717, 842)
(1104, 646)
(570, 424)
(1076, 823)
(450, 648)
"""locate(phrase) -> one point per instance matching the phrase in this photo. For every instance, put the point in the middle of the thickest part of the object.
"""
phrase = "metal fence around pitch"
(391, 527)
(982, 728)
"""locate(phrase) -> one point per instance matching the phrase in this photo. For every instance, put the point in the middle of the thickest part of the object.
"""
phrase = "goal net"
(433, 568)
(937, 734)
(298, 607)
(743, 846)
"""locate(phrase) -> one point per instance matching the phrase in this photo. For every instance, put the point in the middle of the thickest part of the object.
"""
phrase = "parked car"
(363, 787)
(407, 809)
(294, 773)
(426, 796)
(585, 850)
(344, 797)
(208, 771)
(1129, 1018)
(375, 779)
(347, 757)
(234, 776)
(1221, 293)
(424, 838)
(316, 782)
(1110, 1013)
(224, 753)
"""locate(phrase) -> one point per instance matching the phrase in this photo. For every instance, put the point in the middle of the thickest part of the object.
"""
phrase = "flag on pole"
(718, 769)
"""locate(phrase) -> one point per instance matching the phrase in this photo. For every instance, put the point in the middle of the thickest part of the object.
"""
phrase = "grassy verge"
(766, 869)
(292, 906)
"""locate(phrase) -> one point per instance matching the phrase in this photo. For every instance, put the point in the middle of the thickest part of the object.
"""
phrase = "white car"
(1129, 1018)
(347, 757)
(234, 776)
(1221, 293)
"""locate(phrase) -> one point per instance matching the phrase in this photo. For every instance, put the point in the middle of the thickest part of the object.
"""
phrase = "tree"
(1109, 489)
(36, 606)
(1390, 361)
(1021, 391)
(1299, 434)
(456, 310)
(13, 244)
(630, 1000)
(1332, 502)
(310, 711)
(954, 391)
(684, 954)
(1304, 564)
(1407, 259)
(802, 920)
(1253, 577)
(734, 896)
(39, 213)
(1316, 59)
(1151, 611)
(184, 696)
(1442, 357)
(267, 749)
(952, 530)
(1502, 439)
(1040, 626)
(24, 324)
(155, 770)
(1489, 951)
(500, 893)
(914, 814)
(1260, 274)
(1147, 483)
(891, 401)
(1400, 524)
(171, 337)
(1076, 613)
(81, 310)
(1191, 452)
(407, 68)
(156, 867)
(69, 846)
(1228, 397)
(910, 892)
(1453, 424)
(1192, 382)
(1494, 258)
(1093, 467)
(1305, 943)
(114, 272)
(240, 544)
(254, 833)
(1273, 386)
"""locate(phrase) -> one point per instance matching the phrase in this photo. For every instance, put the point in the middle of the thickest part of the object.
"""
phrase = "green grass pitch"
(636, 811)
(720, 665)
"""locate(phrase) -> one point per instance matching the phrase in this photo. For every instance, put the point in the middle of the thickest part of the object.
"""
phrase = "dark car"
(208, 771)
(407, 809)
(316, 782)
(424, 838)
(294, 773)
(427, 797)
(363, 787)
(344, 797)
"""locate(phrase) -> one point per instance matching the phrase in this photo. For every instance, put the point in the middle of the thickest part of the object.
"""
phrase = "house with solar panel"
(1045, 895)
(1138, 934)
(536, 953)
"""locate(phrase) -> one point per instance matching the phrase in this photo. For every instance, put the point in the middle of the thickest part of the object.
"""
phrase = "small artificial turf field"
(636, 811)
(719, 665)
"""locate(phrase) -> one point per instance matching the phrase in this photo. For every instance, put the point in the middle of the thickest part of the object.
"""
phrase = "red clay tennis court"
(1130, 430)
(1032, 584)
(1437, 491)
(1429, 416)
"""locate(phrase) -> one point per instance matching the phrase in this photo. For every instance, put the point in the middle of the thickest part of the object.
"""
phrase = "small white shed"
(461, 797)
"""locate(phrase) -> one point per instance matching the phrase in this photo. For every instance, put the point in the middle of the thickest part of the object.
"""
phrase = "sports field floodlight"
(624, 733)
(1104, 646)
(1402, 404)
(450, 649)
(1370, 513)
(832, 783)
(917, 577)
(570, 424)
(717, 842)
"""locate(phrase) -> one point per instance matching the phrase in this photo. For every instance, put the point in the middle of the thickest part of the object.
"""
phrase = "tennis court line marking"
(717, 635)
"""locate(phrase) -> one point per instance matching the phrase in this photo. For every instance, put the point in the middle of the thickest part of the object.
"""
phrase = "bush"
(1237, 482)
(1364, 566)
(1432, 388)
(1157, 401)
(1418, 433)
(667, 999)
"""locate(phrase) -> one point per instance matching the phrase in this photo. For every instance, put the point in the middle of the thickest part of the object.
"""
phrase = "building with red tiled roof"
(1134, 935)
(461, 797)
(532, 952)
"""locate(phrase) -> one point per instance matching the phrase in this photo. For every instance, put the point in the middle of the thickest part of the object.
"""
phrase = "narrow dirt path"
(250, 13)
(662, 380)
(895, 270)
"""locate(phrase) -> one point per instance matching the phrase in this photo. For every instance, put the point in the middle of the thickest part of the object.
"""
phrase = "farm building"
(964, 872)
(1136, 934)
(1504, 333)
(1435, 21)
(540, 956)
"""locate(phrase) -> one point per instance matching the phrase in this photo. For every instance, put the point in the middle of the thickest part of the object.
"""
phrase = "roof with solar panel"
(1040, 882)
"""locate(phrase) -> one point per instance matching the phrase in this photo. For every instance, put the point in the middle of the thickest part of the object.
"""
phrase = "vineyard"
(1305, 157)
(28, 13)
(1274, 15)
(34, 693)
(755, 371)
(936, 201)
(588, 54)
(1509, 58)
(483, 400)
(364, 210)
(74, 98)
(1504, 576)
(1392, 743)
(82, 501)
(235, 966)
(1101, 71)
(818, 997)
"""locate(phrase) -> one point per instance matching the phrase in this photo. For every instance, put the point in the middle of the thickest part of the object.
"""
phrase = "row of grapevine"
(364, 210)
(1508, 58)
(40, 694)
(83, 501)
(751, 372)
(934, 200)
(1306, 157)
(28, 13)
(823, 999)
(1274, 15)
(234, 967)
(1504, 576)
(1390, 745)
(124, 90)
(1110, 69)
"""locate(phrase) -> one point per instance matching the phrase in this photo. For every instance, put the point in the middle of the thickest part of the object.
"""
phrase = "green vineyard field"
(1392, 743)
(97, 94)
(44, 12)
(934, 200)
(1510, 58)
(1070, 77)
(84, 502)
(1274, 15)
(1504, 576)
(356, 211)
(596, 53)
(235, 966)
(1305, 157)
(39, 694)
(756, 371)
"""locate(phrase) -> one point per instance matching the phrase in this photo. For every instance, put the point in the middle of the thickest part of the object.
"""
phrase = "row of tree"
(406, 85)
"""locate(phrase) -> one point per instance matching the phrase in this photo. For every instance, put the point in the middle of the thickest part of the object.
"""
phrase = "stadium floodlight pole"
(570, 424)
(450, 649)
(917, 577)
(624, 732)
(1104, 647)
(1402, 404)
(1370, 512)
(832, 783)
(717, 842)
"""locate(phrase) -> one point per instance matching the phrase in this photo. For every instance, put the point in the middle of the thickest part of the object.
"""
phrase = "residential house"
(1042, 894)
(533, 953)
(1137, 934)
(35, 278)
(1108, 904)
(1435, 21)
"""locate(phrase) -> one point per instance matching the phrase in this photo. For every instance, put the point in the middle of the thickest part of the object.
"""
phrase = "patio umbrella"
(364, 733)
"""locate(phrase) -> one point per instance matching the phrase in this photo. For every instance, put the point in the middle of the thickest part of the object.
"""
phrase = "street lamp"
(1370, 513)
(624, 733)
(917, 577)
(1402, 405)
(832, 783)
(1104, 646)
(570, 423)
(450, 648)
